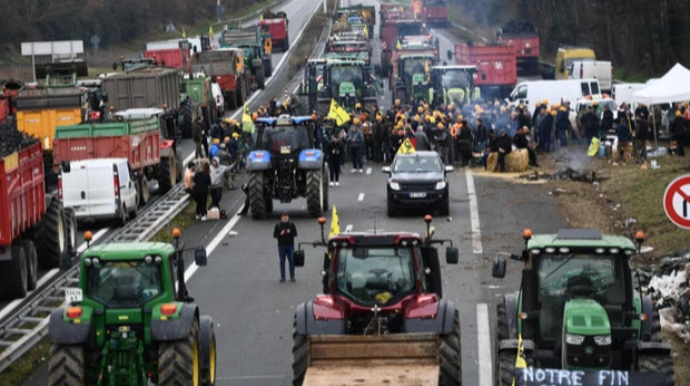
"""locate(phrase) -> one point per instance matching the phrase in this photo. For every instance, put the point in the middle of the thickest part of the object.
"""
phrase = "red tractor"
(382, 317)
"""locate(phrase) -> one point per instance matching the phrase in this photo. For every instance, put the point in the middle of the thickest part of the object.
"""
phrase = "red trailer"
(435, 12)
(33, 225)
(496, 67)
(278, 30)
(524, 38)
(174, 57)
(395, 30)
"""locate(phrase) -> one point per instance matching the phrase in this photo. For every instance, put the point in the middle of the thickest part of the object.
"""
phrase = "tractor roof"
(285, 120)
(128, 251)
(580, 238)
(375, 239)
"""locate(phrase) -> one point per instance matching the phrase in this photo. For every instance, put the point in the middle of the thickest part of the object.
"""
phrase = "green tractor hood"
(586, 334)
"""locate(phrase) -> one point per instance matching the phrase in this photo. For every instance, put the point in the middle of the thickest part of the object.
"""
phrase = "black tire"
(239, 93)
(325, 189)
(187, 115)
(257, 199)
(180, 167)
(66, 366)
(260, 78)
(502, 329)
(268, 69)
(299, 356)
(451, 356)
(176, 360)
(656, 326)
(269, 205)
(32, 263)
(315, 192)
(15, 274)
(143, 186)
(71, 229)
(50, 236)
(445, 208)
(659, 363)
(207, 351)
(230, 102)
(167, 174)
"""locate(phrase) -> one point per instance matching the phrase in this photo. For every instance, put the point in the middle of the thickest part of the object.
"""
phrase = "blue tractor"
(286, 165)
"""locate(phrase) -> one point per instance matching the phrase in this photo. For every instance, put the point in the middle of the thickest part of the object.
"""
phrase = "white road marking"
(484, 346)
(474, 214)
(213, 245)
(360, 197)
(348, 228)
(368, 170)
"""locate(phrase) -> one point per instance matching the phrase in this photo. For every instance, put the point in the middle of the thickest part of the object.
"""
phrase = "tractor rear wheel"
(315, 192)
(451, 357)
(257, 199)
(240, 93)
(207, 347)
(16, 273)
(31, 263)
(71, 228)
(51, 236)
(658, 363)
(299, 356)
(186, 126)
(66, 366)
(656, 326)
(179, 361)
(144, 193)
(260, 78)
(502, 330)
(167, 174)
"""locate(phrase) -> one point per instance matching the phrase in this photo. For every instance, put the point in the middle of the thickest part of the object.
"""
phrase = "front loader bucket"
(399, 359)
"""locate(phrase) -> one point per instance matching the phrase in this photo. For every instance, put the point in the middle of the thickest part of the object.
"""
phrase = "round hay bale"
(517, 161)
(492, 162)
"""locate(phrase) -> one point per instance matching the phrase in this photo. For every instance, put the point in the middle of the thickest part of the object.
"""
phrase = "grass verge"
(183, 220)
(307, 42)
(20, 370)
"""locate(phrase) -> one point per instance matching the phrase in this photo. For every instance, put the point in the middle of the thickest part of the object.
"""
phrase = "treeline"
(116, 22)
(641, 35)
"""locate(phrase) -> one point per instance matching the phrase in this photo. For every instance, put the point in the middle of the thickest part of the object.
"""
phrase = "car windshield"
(123, 284)
(285, 139)
(456, 78)
(375, 275)
(417, 164)
(566, 276)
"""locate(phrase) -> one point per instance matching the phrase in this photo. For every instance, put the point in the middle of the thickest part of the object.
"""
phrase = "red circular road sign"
(677, 201)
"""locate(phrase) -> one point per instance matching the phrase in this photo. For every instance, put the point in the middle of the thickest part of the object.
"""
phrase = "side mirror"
(65, 261)
(386, 169)
(448, 169)
(66, 166)
(452, 255)
(450, 55)
(498, 268)
(515, 256)
(200, 257)
(298, 258)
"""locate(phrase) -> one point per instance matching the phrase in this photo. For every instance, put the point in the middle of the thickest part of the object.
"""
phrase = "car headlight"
(440, 185)
(394, 185)
(575, 340)
(603, 340)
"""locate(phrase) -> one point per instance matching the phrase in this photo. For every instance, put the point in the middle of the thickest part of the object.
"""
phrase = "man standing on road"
(218, 172)
(285, 231)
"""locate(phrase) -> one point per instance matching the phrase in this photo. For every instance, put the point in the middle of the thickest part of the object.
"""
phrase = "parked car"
(417, 180)
(99, 189)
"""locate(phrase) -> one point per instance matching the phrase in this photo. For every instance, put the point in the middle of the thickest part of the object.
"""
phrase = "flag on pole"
(520, 362)
(247, 122)
(338, 113)
(210, 32)
(184, 33)
(398, 45)
(366, 31)
(407, 147)
(335, 224)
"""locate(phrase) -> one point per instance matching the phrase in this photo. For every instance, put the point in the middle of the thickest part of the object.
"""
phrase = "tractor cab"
(453, 84)
(414, 75)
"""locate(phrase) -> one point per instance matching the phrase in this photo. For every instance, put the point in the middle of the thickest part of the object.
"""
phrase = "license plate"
(73, 295)
(417, 195)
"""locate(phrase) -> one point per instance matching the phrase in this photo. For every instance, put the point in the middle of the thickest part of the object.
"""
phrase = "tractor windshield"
(456, 79)
(375, 275)
(123, 284)
(343, 74)
(577, 275)
(286, 139)
(416, 66)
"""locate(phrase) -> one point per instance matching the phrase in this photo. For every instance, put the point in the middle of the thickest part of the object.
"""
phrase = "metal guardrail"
(232, 22)
(28, 323)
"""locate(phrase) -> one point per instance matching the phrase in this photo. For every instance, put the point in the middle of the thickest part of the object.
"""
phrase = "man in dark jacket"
(546, 132)
(678, 132)
(421, 140)
(491, 146)
(285, 231)
(641, 137)
(521, 141)
(464, 141)
(590, 124)
(505, 146)
(606, 121)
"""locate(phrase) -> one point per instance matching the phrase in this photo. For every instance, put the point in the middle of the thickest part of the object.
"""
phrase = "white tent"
(674, 86)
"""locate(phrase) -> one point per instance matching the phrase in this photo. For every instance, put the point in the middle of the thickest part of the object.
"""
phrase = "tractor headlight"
(575, 340)
(603, 340)
(394, 185)
(440, 185)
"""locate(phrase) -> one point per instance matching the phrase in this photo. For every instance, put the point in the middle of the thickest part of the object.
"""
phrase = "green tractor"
(414, 76)
(253, 43)
(580, 311)
(131, 321)
(453, 84)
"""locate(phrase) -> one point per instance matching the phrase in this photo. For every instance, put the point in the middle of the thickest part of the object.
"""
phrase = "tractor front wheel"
(451, 357)
(257, 199)
(658, 363)
(66, 366)
(207, 346)
(179, 361)
(299, 356)
(315, 192)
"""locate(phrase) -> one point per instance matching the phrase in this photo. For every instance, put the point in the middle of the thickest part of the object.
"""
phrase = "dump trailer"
(276, 24)
(394, 30)
(365, 328)
(198, 88)
(579, 310)
(524, 37)
(34, 228)
(258, 60)
(131, 322)
(227, 66)
(175, 56)
(136, 136)
(496, 67)
(435, 13)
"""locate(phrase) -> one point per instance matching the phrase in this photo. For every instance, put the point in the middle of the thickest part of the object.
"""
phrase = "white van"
(595, 69)
(553, 90)
(99, 189)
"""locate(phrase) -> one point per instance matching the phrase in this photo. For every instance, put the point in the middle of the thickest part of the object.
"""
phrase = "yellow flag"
(184, 33)
(406, 148)
(594, 147)
(520, 362)
(366, 31)
(398, 45)
(338, 113)
(247, 123)
(335, 224)
(210, 32)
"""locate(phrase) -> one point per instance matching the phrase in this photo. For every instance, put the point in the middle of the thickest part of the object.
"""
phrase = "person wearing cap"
(443, 143)
(491, 147)
(677, 130)
(522, 141)
(546, 131)
(368, 132)
(285, 232)
(377, 135)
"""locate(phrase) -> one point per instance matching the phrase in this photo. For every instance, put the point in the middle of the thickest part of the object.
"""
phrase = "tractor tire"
(269, 205)
(71, 229)
(32, 263)
(325, 189)
(660, 364)
(230, 102)
(505, 370)
(451, 356)
(260, 78)
(268, 70)
(16, 274)
(207, 351)
(66, 366)
(186, 125)
(143, 187)
(240, 93)
(502, 329)
(167, 174)
(51, 236)
(656, 326)
(257, 199)
(180, 167)
(299, 356)
(178, 360)
(315, 192)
